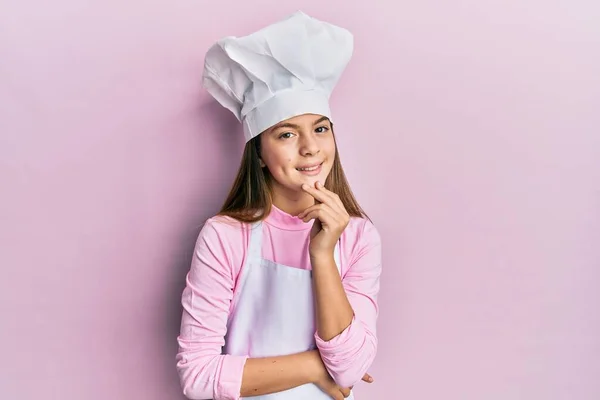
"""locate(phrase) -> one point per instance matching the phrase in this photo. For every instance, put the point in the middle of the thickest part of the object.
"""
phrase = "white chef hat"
(286, 69)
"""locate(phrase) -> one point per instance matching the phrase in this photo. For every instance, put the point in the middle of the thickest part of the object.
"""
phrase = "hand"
(331, 218)
(336, 392)
(324, 381)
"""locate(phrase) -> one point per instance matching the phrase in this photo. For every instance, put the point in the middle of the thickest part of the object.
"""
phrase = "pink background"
(468, 129)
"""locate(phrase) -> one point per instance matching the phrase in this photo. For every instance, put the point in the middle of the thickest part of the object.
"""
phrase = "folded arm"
(347, 310)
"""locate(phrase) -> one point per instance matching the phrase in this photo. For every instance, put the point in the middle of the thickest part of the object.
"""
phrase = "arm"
(333, 310)
(275, 374)
(346, 309)
(204, 372)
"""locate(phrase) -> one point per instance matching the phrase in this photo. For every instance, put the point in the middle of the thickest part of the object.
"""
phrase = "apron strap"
(337, 256)
(255, 248)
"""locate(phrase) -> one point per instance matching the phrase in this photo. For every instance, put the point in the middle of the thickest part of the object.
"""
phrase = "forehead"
(303, 119)
(299, 122)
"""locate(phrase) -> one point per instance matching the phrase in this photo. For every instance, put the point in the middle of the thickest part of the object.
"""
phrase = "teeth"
(308, 169)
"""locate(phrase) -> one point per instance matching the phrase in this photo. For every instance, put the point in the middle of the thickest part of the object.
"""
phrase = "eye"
(284, 135)
(322, 129)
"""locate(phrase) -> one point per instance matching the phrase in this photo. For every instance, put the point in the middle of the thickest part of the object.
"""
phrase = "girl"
(281, 297)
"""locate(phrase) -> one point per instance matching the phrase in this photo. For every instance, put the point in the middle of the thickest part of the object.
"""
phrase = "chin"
(311, 180)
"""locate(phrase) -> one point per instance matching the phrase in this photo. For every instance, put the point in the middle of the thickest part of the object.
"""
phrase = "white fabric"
(286, 69)
(273, 314)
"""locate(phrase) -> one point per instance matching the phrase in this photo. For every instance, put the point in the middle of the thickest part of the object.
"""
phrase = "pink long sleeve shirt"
(219, 254)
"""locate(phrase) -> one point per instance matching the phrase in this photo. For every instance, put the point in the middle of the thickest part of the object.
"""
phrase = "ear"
(262, 163)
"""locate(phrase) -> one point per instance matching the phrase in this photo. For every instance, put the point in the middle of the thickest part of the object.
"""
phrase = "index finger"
(334, 197)
(367, 378)
(320, 196)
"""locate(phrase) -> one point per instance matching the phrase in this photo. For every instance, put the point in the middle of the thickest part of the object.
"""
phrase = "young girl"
(281, 298)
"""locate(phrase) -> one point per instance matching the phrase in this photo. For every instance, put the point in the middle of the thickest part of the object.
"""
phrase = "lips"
(310, 167)
(310, 170)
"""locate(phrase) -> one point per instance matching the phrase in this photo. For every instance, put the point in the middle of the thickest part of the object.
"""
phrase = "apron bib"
(273, 314)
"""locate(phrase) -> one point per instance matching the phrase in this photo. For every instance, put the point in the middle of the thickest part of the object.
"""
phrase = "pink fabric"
(219, 254)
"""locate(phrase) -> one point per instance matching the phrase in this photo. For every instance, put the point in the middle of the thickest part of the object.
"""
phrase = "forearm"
(267, 375)
(333, 310)
(345, 333)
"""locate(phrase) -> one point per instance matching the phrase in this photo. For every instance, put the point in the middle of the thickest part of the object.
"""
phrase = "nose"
(309, 146)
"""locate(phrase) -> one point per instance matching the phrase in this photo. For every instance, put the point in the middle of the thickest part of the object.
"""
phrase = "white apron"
(273, 314)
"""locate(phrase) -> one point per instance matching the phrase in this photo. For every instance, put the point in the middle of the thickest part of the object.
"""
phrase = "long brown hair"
(250, 198)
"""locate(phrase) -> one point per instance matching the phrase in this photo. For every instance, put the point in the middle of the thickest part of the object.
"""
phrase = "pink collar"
(283, 220)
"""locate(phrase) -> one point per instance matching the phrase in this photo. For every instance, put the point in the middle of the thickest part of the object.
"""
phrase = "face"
(298, 150)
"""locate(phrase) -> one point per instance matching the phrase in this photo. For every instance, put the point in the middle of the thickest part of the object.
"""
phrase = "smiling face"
(296, 151)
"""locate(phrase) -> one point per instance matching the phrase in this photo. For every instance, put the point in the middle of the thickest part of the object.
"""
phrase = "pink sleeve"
(203, 371)
(349, 355)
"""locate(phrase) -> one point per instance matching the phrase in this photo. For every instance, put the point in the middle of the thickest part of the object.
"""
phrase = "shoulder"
(226, 239)
(228, 231)
(223, 224)
(362, 231)
(360, 241)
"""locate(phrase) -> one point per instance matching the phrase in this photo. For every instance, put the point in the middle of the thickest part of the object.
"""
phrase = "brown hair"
(250, 198)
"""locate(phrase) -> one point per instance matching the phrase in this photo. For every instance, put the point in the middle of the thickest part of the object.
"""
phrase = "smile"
(310, 170)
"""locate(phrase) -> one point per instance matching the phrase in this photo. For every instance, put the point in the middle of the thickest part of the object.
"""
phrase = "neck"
(292, 202)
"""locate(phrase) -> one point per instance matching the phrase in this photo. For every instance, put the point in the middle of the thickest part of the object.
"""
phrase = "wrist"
(314, 365)
(321, 255)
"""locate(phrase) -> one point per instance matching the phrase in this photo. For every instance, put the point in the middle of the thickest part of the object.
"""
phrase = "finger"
(334, 391)
(309, 209)
(317, 194)
(332, 195)
(335, 203)
(345, 392)
(333, 200)
(367, 378)
(338, 395)
(316, 207)
(328, 217)
(324, 215)
(316, 228)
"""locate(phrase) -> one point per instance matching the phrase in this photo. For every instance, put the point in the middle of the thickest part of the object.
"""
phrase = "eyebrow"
(294, 126)
(320, 120)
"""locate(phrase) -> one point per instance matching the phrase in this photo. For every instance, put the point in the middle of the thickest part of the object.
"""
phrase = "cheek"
(279, 163)
(281, 159)
(330, 148)
(288, 164)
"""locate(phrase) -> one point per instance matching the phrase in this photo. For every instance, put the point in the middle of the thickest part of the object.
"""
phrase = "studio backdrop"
(469, 132)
